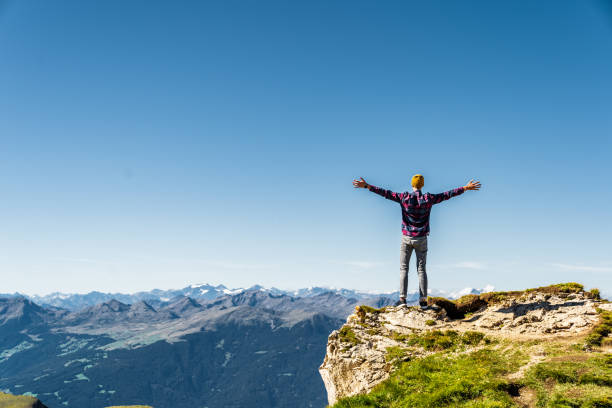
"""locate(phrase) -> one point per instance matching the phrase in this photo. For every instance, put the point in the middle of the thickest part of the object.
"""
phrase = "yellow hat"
(418, 181)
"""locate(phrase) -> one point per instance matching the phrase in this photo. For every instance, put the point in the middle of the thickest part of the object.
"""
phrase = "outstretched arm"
(471, 185)
(388, 194)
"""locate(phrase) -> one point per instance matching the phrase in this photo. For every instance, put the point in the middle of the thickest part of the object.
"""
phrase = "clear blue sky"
(156, 144)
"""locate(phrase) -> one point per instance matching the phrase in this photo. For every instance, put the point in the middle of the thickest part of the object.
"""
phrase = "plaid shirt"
(416, 207)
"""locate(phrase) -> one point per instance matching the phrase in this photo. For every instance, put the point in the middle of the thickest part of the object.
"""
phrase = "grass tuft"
(363, 310)
(370, 309)
(575, 382)
(395, 353)
(347, 335)
(17, 401)
(601, 330)
(437, 340)
(399, 337)
(472, 338)
(130, 406)
(594, 294)
(570, 287)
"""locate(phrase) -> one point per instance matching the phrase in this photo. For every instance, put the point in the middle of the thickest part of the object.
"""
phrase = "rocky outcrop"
(19, 401)
(366, 349)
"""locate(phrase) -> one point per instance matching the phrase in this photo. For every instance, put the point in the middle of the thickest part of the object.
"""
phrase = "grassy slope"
(564, 373)
(568, 377)
(22, 401)
(16, 401)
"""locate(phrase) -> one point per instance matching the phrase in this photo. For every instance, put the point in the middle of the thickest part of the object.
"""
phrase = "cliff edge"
(499, 349)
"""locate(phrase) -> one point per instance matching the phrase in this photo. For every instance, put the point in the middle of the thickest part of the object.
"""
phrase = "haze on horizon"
(151, 144)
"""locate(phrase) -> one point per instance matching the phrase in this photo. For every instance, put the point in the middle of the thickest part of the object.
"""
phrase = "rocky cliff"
(513, 348)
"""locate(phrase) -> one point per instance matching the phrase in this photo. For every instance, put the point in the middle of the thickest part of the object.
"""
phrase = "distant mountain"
(76, 301)
(18, 312)
(253, 348)
(206, 292)
(202, 345)
(248, 348)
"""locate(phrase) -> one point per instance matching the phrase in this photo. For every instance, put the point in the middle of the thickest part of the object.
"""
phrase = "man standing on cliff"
(416, 207)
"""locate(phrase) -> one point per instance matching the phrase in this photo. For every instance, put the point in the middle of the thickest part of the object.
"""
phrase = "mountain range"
(207, 292)
(201, 346)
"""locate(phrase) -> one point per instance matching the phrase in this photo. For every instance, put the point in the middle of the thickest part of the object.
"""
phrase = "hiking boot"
(400, 302)
(423, 304)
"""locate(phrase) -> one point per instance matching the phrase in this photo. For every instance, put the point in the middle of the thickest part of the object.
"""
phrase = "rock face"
(361, 354)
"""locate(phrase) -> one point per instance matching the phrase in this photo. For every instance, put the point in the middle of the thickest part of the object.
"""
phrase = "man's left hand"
(361, 183)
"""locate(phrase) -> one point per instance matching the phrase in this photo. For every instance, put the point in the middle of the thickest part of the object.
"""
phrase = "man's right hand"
(472, 185)
(361, 183)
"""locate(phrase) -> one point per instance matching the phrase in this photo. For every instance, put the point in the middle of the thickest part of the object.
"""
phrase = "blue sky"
(156, 144)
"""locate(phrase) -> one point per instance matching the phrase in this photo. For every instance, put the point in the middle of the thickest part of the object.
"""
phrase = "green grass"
(373, 332)
(437, 340)
(466, 380)
(399, 337)
(347, 335)
(601, 331)
(362, 324)
(594, 294)
(473, 338)
(480, 379)
(577, 380)
(22, 401)
(370, 309)
(395, 353)
(577, 397)
(16, 401)
(434, 340)
(130, 406)
(570, 287)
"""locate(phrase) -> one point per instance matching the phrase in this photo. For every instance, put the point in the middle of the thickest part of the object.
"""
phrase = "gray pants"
(419, 244)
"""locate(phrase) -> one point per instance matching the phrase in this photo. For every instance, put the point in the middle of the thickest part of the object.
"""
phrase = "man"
(416, 207)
